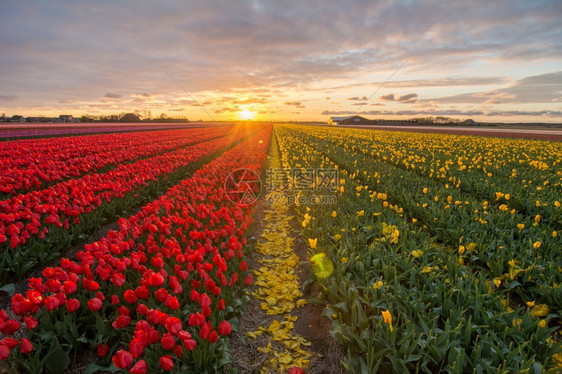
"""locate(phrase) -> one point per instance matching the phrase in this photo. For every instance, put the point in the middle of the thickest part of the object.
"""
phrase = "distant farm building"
(352, 120)
(470, 122)
(66, 118)
(17, 118)
(358, 120)
(130, 117)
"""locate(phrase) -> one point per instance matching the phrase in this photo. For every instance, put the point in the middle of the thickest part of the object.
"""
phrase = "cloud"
(68, 101)
(540, 88)
(227, 110)
(388, 97)
(356, 98)
(448, 112)
(284, 49)
(406, 99)
(112, 95)
(8, 97)
(409, 98)
(296, 104)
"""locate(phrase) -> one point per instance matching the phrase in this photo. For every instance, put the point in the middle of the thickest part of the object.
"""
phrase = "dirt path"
(281, 328)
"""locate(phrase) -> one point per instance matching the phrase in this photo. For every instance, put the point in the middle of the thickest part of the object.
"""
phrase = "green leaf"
(82, 338)
(9, 288)
(94, 368)
(57, 359)
(513, 285)
(413, 357)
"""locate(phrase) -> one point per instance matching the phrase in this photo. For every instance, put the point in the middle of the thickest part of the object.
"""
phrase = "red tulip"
(172, 303)
(142, 292)
(196, 319)
(166, 363)
(114, 299)
(103, 349)
(142, 309)
(31, 323)
(9, 342)
(161, 295)
(168, 341)
(121, 322)
(26, 346)
(130, 296)
(173, 325)
(72, 305)
(225, 328)
(296, 370)
(136, 347)
(205, 330)
(51, 303)
(4, 352)
(205, 300)
(123, 311)
(118, 279)
(153, 336)
(213, 337)
(69, 287)
(156, 280)
(189, 344)
(94, 304)
(139, 368)
(248, 280)
(122, 359)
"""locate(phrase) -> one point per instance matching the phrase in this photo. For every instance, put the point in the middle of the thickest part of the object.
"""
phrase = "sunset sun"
(246, 114)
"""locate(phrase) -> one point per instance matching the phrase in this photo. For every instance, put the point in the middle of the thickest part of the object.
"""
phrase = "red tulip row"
(158, 294)
(60, 208)
(32, 163)
(62, 204)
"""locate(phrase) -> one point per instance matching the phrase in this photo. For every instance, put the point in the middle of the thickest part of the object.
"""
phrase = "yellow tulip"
(540, 310)
(312, 243)
(417, 253)
(387, 317)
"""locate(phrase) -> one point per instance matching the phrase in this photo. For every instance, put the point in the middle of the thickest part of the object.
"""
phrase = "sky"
(283, 60)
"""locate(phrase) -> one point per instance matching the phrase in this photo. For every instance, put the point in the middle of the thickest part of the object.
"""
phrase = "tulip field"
(445, 249)
(429, 252)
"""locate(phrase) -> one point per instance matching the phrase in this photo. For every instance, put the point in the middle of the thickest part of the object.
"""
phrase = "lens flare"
(322, 266)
